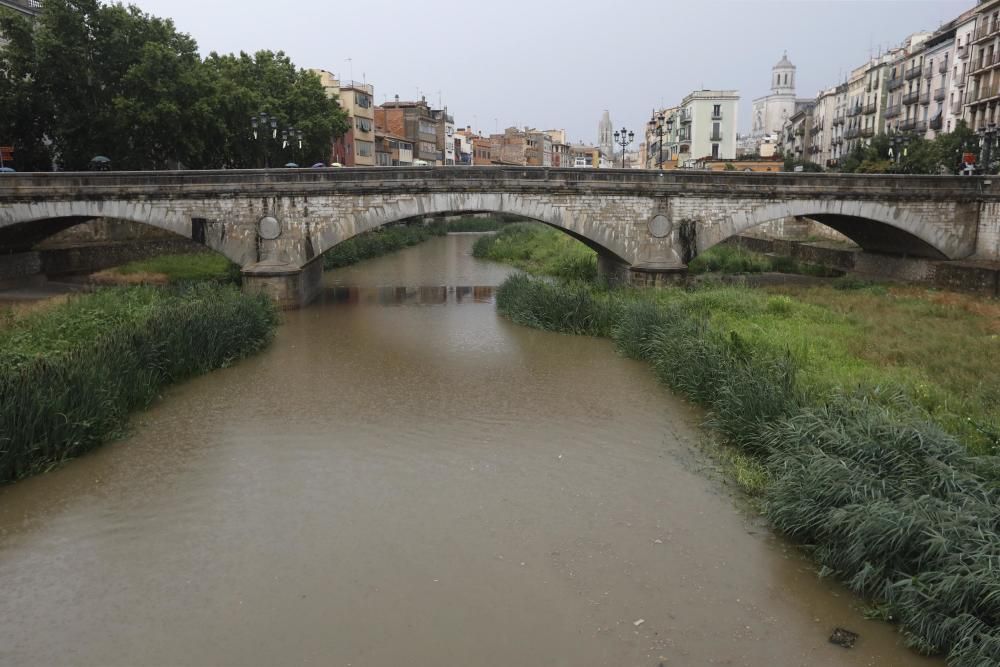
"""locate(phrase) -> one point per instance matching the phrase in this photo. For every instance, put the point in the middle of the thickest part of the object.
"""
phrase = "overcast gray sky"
(560, 63)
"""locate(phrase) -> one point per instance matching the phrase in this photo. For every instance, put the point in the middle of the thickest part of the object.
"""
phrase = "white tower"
(605, 134)
(783, 77)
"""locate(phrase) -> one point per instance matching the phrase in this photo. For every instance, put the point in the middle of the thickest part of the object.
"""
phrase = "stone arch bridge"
(277, 223)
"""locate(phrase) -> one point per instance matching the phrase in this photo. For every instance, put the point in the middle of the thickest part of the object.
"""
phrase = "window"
(364, 148)
(715, 151)
(363, 124)
(716, 128)
(362, 100)
(717, 111)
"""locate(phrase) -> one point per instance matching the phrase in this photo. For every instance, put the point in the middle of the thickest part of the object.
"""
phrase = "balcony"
(894, 83)
(963, 52)
(893, 111)
(852, 133)
(920, 126)
(854, 111)
(956, 107)
(913, 72)
(928, 72)
(937, 122)
(988, 29)
(839, 120)
(911, 97)
(715, 136)
(868, 132)
(907, 124)
(716, 116)
(987, 60)
(939, 94)
(960, 83)
(815, 129)
(925, 97)
(870, 108)
(943, 66)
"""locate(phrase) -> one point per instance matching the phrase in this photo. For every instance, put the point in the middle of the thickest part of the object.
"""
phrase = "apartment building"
(708, 122)
(392, 150)
(983, 93)
(418, 124)
(356, 148)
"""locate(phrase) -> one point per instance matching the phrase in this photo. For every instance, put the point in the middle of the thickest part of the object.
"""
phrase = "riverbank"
(864, 418)
(70, 373)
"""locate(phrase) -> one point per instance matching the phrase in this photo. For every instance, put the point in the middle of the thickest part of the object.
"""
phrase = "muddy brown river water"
(405, 478)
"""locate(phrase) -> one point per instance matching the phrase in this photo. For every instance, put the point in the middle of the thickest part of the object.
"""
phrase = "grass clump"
(379, 242)
(538, 249)
(70, 375)
(884, 497)
(189, 267)
(729, 259)
(389, 239)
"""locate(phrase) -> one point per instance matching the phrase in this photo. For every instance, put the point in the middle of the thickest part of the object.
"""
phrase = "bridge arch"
(876, 227)
(32, 222)
(579, 223)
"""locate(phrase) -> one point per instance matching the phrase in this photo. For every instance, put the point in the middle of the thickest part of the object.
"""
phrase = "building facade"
(356, 148)
(418, 124)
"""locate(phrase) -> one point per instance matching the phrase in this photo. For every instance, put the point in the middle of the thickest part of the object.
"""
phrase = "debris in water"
(657, 541)
(842, 637)
(639, 622)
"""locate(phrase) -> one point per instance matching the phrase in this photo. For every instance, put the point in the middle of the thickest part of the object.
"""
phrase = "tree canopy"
(93, 79)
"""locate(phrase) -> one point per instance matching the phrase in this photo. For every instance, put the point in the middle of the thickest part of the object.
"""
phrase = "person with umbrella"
(100, 163)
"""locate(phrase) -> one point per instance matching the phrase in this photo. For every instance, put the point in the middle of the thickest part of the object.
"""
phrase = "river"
(405, 478)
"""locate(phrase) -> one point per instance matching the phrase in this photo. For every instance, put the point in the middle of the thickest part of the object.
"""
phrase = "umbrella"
(100, 158)
(319, 165)
(6, 170)
(292, 165)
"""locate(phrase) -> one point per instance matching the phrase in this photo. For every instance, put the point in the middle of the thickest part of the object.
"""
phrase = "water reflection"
(408, 296)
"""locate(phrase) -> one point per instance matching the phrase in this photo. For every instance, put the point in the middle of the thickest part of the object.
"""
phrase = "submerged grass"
(851, 452)
(70, 375)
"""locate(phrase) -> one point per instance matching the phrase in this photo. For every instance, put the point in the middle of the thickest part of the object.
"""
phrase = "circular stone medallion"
(269, 228)
(659, 226)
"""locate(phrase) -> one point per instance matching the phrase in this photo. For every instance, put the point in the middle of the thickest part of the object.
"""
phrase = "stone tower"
(783, 77)
(605, 136)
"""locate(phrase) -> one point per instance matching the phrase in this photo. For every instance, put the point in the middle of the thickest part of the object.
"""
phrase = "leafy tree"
(94, 79)
(951, 145)
(245, 85)
(24, 115)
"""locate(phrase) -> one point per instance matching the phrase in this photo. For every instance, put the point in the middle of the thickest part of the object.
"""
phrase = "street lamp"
(289, 137)
(623, 138)
(656, 129)
(900, 142)
(987, 136)
(264, 124)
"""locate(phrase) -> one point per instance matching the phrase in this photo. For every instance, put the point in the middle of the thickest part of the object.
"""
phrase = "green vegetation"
(847, 461)
(385, 240)
(379, 242)
(189, 267)
(490, 224)
(70, 375)
(733, 259)
(91, 78)
(942, 155)
(536, 248)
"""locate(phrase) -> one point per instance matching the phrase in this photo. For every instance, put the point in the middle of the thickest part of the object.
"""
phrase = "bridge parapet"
(275, 223)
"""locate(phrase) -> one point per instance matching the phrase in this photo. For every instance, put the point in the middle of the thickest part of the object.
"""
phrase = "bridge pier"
(290, 286)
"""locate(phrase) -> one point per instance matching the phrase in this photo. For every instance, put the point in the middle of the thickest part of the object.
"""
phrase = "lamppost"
(900, 141)
(265, 128)
(656, 130)
(289, 137)
(623, 138)
(987, 136)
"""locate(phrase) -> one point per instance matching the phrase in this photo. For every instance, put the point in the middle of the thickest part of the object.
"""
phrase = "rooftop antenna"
(350, 65)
